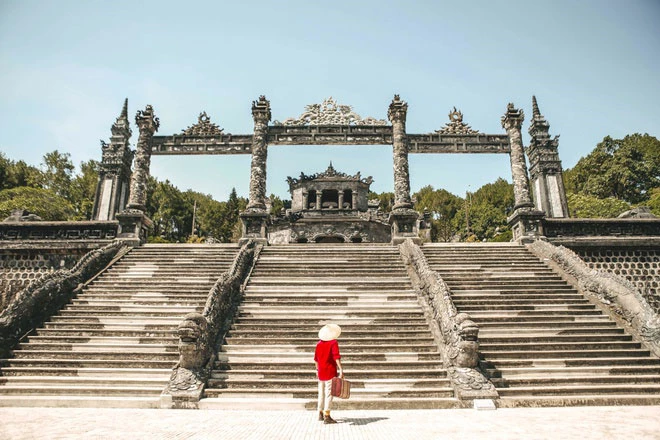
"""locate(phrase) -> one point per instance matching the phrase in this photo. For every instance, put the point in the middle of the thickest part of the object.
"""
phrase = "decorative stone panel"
(639, 266)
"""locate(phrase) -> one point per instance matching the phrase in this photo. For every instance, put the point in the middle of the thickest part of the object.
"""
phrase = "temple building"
(330, 207)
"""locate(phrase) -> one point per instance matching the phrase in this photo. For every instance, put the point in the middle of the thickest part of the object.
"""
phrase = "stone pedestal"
(255, 222)
(404, 226)
(134, 227)
(526, 225)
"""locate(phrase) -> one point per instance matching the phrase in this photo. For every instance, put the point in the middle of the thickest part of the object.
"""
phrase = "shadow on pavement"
(362, 421)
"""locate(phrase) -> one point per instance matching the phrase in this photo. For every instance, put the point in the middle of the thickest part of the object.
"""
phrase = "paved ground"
(529, 423)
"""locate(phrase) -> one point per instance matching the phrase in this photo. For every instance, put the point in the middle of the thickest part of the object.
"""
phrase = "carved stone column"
(261, 116)
(340, 198)
(319, 195)
(305, 195)
(397, 116)
(115, 170)
(512, 123)
(525, 221)
(403, 218)
(148, 125)
(133, 224)
(255, 216)
(354, 199)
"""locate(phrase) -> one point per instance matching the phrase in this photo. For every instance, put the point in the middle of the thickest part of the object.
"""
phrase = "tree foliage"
(43, 202)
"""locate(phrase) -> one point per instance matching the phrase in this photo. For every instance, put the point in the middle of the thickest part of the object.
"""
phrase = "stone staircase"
(115, 344)
(542, 342)
(387, 349)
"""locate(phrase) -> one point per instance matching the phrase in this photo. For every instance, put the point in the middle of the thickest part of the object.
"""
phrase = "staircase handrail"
(199, 333)
(615, 292)
(460, 335)
(41, 299)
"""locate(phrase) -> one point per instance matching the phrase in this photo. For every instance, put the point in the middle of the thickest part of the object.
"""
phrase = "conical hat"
(329, 332)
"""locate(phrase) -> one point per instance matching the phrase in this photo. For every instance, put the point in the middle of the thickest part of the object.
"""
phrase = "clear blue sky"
(66, 67)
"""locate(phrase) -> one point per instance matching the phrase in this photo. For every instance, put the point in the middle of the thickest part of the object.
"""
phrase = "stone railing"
(200, 333)
(556, 228)
(458, 333)
(82, 230)
(41, 299)
(619, 294)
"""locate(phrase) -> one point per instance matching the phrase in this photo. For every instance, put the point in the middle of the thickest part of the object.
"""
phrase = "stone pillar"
(255, 216)
(545, 167)
(525, 221)
(261, 116)
(354, 199)
(340, 200)
(512, 123)
(397, 116)
(319, 195)
(305, 195)
(148, 125)
(403, 219)
(114, 171)
(133, 224)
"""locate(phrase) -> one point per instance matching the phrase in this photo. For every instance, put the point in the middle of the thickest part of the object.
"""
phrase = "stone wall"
(639, 265)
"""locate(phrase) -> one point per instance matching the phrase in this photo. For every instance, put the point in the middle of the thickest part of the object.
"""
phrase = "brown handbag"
(340, 388)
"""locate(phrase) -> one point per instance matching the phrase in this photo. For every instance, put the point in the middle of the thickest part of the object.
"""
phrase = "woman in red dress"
(328, 365)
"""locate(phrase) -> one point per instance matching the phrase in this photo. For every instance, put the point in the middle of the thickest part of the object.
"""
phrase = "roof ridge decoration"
(329, 173)
(330, 113)
(456, 124)
(203, 127)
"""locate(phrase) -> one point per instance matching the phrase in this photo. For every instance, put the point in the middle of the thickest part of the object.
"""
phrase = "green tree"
(443, 207)
(626, 169)
(83, 190)
(588, 206)
(45, 203)
(385, 200)
(57, 173)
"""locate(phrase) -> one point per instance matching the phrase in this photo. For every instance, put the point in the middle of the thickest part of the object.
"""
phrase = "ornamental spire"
(539, 129)
(121, 127)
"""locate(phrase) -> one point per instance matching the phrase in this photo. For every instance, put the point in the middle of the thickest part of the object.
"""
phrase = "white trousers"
(325, 395)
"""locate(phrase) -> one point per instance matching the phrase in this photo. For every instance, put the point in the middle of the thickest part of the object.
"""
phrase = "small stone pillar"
(403, 218)
(525, 221)
(340, 199)
(114, 171)
(319, 195)
(354, 199)
(133, 224)
(305, 195)
(255, 216)
(545, 167)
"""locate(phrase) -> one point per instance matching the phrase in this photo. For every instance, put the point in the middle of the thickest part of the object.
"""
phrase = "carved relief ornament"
(204, 127)
(456, 124)
(330, 113)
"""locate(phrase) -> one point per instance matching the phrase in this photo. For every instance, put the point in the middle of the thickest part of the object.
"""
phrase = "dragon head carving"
(194, 346)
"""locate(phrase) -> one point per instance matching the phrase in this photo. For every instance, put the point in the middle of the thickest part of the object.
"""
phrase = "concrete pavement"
(582, 423)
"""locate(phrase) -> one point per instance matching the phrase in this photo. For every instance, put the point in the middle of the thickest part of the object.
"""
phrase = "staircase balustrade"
(200, 333)
(460, 341)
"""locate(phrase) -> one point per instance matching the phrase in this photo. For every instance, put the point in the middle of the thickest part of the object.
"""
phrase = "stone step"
(364, 348)
(351, 364)
(87, 372)
(98, 355)
(402, 309)
(309, 393)
(304, 372)
(607, 370)
(134, 313)
(311, 383)
(170, 339)
(100, 310)
(90, 363)
(492, 300)
(137, 297)
(403, 301)
(138, 302)
(347, 326)
(311, 335)
(101, 332)
(498, 356)
(284, 292)
(115, 325)
(629, 359)
(268, 402)
(567, 390)
(487, 340)
(68, 390)
(534, 324)
(111, 380)
(577, 380)
(479, 308)
(275, 357)
(525, 332)
(345, 341)
(534, 347)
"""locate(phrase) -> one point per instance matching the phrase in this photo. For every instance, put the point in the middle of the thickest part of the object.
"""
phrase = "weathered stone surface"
(41, 299)
(330, 113)
(114, 171)
(203, 127)
(616, 292)
(512, 123)
(397, 116)
(199, 334)
(261, 115)
(459, 334)
(22, 215)
(545, 167)
(148, 124)
(456, 124)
